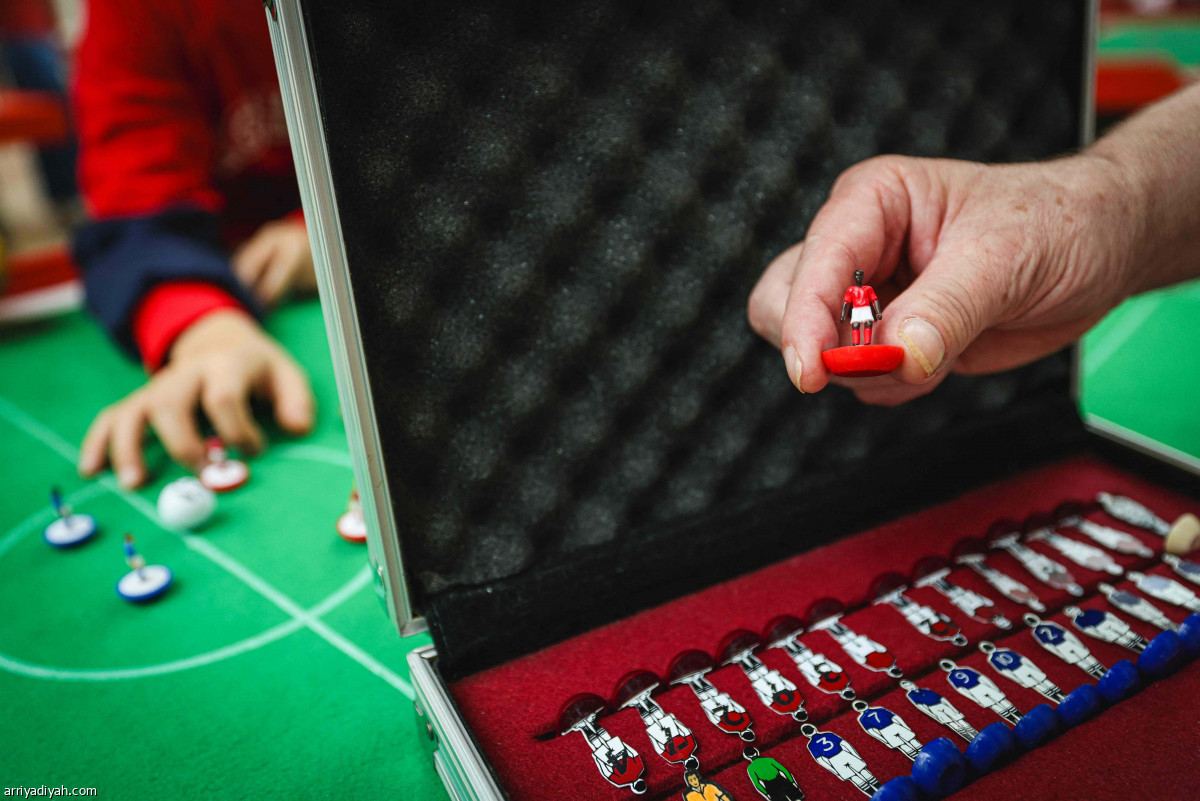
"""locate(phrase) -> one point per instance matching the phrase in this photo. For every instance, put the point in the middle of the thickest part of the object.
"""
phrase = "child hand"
(216, 365)
(276, 261)
(981, 268)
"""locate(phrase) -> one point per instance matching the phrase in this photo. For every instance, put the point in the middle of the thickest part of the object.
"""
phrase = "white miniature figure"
(839, 758)
(1041, 566)
(817, 669)
(862, 649)
(938, 708)
(1166, 589)
(1106, 627)
(924, 619)
(1065, 645)
(980, 689)
(1138, 607)
(1008, 586)
(1078, 552)
(1020, 669)
(888, 728)
(969, 601)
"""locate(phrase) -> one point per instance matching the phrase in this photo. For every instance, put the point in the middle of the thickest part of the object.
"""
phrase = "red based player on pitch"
(862, 358)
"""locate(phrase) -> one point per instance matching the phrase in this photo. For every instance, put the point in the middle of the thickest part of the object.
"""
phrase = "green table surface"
(268, 670)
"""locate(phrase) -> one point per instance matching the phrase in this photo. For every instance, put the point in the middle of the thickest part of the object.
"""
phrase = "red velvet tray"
(512, 709)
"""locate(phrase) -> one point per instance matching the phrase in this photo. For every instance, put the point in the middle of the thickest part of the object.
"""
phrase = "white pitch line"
(51, 439)
(277, 632)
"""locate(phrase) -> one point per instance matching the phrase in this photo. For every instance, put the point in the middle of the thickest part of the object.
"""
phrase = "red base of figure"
(858, 361)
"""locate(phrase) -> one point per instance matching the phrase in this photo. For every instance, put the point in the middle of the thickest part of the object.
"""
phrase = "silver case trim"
(290, 44)
(463, 769)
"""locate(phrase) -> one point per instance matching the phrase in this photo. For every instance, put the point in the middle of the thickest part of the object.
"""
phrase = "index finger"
(861, 227)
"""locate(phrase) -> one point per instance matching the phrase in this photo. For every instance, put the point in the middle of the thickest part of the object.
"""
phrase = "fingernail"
(795, 367)
(924, 342)
(129, 477)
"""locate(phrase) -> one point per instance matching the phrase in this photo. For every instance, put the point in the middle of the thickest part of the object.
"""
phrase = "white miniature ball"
(186, 503)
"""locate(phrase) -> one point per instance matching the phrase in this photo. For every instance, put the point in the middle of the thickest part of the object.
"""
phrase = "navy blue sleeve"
(123, 259)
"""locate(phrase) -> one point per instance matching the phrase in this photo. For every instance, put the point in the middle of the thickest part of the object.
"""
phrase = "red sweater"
(178, 109)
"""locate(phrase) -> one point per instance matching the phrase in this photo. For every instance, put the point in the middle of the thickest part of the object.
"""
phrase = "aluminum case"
(458, 760)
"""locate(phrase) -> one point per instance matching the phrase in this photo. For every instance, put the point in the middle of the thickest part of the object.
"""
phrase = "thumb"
(951, 302)
(291, 394)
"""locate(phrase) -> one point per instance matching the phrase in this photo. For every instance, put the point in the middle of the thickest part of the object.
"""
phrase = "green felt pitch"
(268, 669)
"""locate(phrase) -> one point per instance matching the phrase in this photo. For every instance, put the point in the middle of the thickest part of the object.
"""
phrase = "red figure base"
(859, 361)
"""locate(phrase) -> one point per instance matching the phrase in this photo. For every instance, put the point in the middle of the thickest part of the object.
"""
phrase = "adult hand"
(980, 268)
(216, 365)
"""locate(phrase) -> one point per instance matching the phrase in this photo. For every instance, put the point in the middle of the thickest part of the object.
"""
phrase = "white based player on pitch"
(68, 527)
(220, 473)
(352, 526)
(143, 582)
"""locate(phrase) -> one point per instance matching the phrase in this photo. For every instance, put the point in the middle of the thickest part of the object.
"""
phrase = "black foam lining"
(553, 215)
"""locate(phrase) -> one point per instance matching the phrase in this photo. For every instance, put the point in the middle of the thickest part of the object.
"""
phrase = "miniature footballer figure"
(859, 647)
(672, 740)
(1111, 538)
(888, 728)
(220, 473)
(817, 669)
(1020, 669)
(980, 689)
(938, 708)
(1179, 537)
(773, 781)
(619, 764)
(839, 758)
(1105, 627)
(1080, 553)
(775, 692)
(1184, 568)
(143, 582)
(862, 358)
(1166, 589)
(864, 309)
(68, 528)
(691, 668)
(1046, 570)
(700, 789)
(932, 624)
(351, 526)
(1008, 586)
(1138, 607)
(1065, 645)
(969, 601)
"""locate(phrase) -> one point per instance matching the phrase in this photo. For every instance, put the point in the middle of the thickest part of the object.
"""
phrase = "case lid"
(537, 226)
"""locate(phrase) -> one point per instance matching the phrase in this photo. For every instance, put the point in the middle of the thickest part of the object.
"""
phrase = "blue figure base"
(939, 768)
(1189, 635)
(991, 747)
(901, 788)
(1119, 682)
(1079, 705)
(1036, 727)
(1161, 656)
